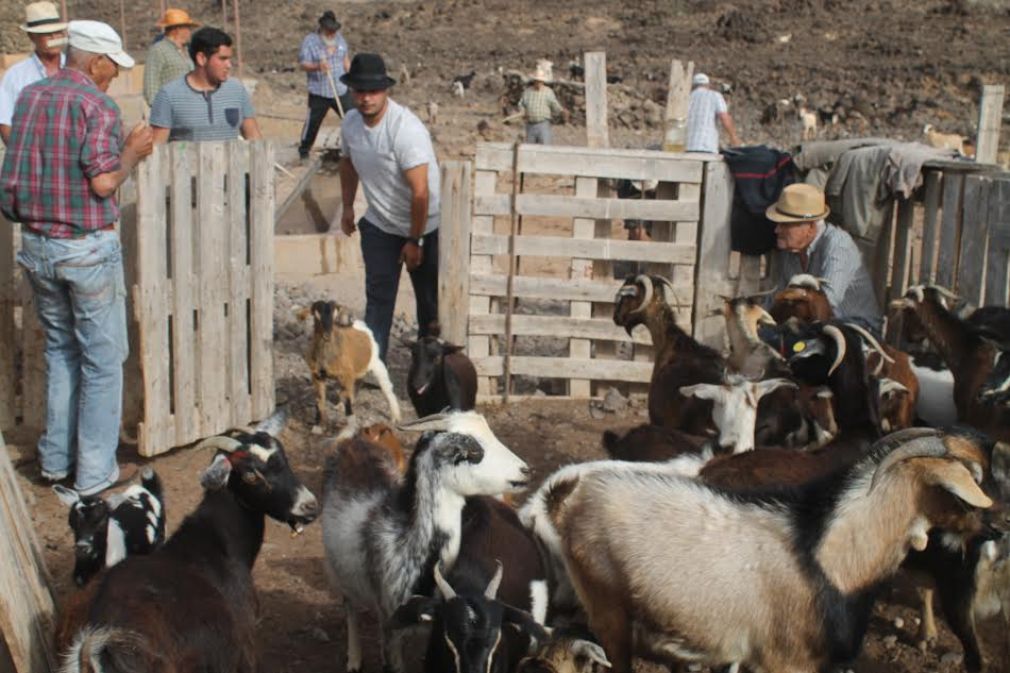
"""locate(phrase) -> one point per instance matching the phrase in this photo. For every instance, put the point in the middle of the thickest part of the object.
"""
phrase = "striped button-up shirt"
(833, 256)
(17, 77)
(65, 131)
(315, 50)
(165, 62)
(540, 104)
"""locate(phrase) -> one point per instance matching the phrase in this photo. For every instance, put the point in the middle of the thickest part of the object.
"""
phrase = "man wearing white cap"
(706, 110)
(64, 162)
(48, 32)
(540, 105)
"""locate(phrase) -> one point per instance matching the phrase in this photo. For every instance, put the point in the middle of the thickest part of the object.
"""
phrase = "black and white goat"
(191, 605)
(108, 529)
(382, 536)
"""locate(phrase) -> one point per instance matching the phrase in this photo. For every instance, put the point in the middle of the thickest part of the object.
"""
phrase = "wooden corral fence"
(198, 253)
(482, 284)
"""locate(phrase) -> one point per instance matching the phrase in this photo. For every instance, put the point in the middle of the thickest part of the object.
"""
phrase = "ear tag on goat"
(799, 346)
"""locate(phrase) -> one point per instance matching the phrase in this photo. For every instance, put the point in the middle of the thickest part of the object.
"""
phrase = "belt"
(87, 232)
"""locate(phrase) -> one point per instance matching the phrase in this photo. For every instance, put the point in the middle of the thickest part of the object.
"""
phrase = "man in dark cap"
(388, 151)
(324, 58)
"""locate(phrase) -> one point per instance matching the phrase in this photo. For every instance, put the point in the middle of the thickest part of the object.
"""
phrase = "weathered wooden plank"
(557, 326)
(595, 65)
(582, 269)
(713, 251)
(902, 248)
(184, 351)
(990, 116)
(594, 163)
(553, 205)
(261, 176)
(239, 396)
(33, 360)
(530, 287)
(950, 230)
(933, 182)
(560, 246)
(685, 233)
(211, 235)
(559, 368)
(480, 346)
(974, 228)
(997, 282)
(454, 251)
(157, 432)
(27, 609)
(678, 93)
(8, 343)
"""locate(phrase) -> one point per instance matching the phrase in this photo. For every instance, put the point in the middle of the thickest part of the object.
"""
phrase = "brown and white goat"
(795, 594)
(345, 350)
(679, 359)
(748, 355)
(803, 298)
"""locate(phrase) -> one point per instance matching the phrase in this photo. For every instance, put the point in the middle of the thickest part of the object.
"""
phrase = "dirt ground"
(899, 63)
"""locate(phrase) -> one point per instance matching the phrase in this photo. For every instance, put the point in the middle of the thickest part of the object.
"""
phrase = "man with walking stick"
(324, 58)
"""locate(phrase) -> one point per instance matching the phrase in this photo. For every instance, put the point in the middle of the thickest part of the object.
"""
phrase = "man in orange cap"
(168, 58)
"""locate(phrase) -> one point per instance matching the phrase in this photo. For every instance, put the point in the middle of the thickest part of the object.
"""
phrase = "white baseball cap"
(700, 79)
(99, 38)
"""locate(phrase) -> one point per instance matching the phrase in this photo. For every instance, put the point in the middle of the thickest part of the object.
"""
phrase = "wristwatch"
(419, 241)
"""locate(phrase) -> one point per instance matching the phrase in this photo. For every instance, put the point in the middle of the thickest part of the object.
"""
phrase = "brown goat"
(383, 435)
(804, 299)
(344, 350)
(561, 654)
(899, 388)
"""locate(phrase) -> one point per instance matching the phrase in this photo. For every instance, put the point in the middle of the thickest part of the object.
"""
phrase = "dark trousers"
(318, 107)
(381, 252)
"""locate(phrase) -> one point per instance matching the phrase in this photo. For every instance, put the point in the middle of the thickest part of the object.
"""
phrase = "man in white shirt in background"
(48, 32)
(706, 111)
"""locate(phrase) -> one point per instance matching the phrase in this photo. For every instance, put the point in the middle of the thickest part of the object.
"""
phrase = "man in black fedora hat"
(324, 58)
(388, 151)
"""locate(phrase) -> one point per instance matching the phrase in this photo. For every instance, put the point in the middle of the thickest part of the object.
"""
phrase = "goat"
(465, 80)
(191, 605)
(432, 113)
(943, 141)
(467, 634)
(809, 121)
(970, 356)
(795, 594)
(679, 359)
(440, 377)
(344, 350)
(107, 529)
(382, 535)
(650, 444)
(563, 654)
(458, 90)
(735, 407)
(803, 298)
(749, 356)
(383, 435)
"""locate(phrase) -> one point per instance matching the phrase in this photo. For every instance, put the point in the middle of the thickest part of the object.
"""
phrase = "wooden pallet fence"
(204, 302)
(677, 212)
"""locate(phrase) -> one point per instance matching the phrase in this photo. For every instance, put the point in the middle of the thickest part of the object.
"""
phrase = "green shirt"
(539, 104)
(165, 62)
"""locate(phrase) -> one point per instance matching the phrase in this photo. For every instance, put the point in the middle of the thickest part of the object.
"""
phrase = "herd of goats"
(752, 523)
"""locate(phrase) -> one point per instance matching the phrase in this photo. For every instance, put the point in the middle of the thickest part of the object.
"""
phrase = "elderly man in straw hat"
(539, 105)
(48, 33)
(808, 244)
(66, 159)
(168, 58)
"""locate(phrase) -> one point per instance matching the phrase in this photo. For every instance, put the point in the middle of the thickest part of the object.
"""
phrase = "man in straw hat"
(808, 244)
(48, 33)
(324, 58)
(64, 163)
(168, 58)
(388, 150)
(706, 112)
(540, 105)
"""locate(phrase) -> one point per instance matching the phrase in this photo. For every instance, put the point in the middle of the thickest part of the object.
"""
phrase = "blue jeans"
(80, 297)
(539, 133)
(381, 253)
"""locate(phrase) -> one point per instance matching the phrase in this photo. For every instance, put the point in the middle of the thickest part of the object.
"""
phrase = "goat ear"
(703, 391)
(215, 477)
(762, 388)
(417, 610)
(67, 496)
(954, 477)
(524, 622)
(591, 651)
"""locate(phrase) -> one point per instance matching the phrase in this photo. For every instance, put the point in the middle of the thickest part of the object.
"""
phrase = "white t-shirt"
(702, 125)
(380, 155)
(17, 77)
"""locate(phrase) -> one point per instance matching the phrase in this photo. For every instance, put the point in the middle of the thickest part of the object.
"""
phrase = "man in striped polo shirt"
(539, 104)
(808, 244)
(205, 104)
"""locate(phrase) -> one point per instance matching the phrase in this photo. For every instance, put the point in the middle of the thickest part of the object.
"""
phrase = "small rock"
(539, 393)
(899, 623)
(890, 641)
(916, 621)
(596, 411)
(320, 635)
(952, 659)
(614, 402)
(317, 429)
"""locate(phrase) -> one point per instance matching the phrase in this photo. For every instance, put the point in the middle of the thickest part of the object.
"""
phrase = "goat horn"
(647, 288)
(444, 588)
(221, 443)
(491, 592)
(766, 318)
(839, 338)
(872, 341)
(891, 386)
(922, 446)
(762, 294)
(665, 282)
(438, 422)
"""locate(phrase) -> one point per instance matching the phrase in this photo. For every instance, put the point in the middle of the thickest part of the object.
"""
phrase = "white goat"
(382, 536)
(809, 120)
(734, 407)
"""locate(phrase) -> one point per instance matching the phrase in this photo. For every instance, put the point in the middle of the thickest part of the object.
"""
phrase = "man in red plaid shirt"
(64, 162)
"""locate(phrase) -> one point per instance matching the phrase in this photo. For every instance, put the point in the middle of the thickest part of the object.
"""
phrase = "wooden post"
(713, 253)
(261, 256)
(238, 38)
(63, 10)
(454, 251)
(224, 15)
(990, 114)
(122, 22)
(678, 94)
(8, 339)
(596, 99)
